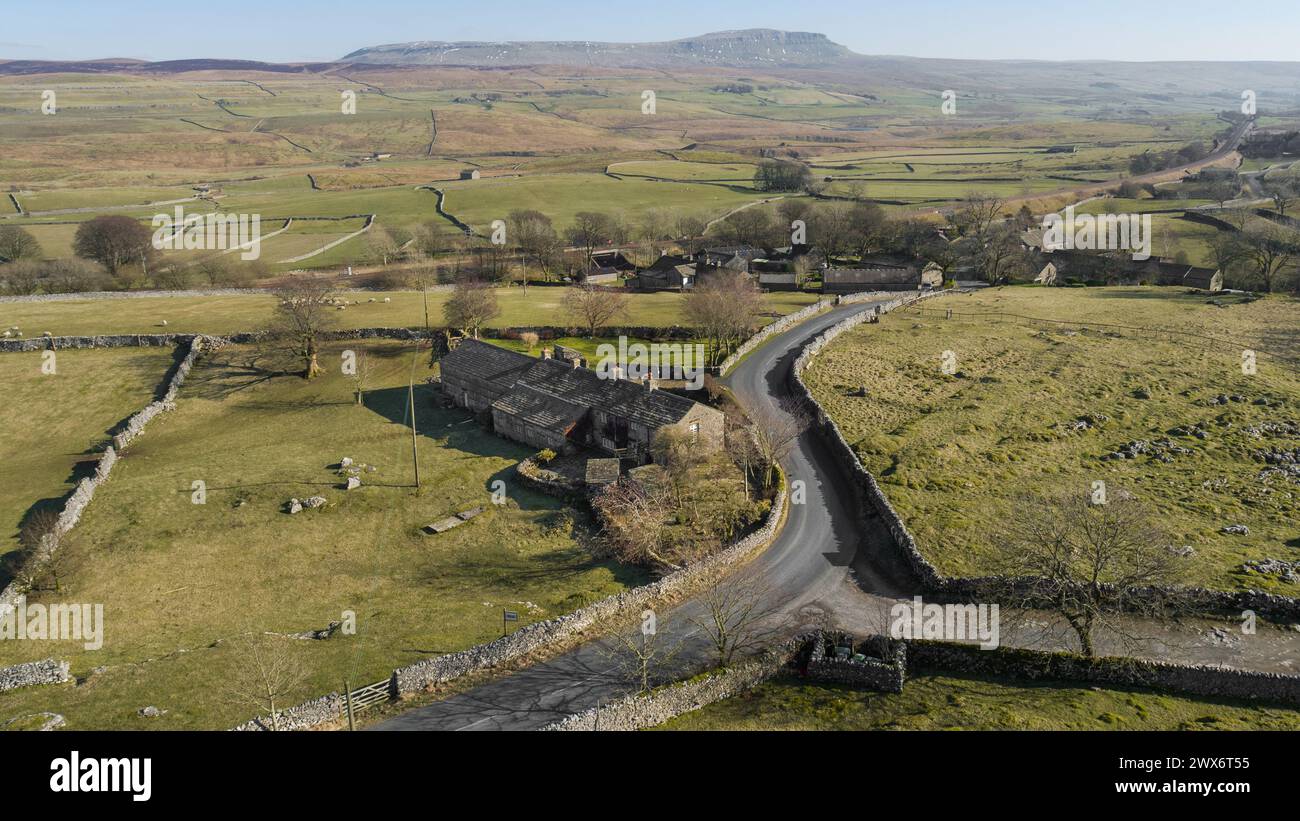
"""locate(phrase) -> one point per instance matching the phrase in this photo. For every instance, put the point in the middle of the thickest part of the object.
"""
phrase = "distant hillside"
(750, 47)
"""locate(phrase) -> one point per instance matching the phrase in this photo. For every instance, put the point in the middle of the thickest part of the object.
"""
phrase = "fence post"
(347, 701)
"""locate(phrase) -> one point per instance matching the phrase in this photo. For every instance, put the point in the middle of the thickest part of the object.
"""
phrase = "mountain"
(749, 47)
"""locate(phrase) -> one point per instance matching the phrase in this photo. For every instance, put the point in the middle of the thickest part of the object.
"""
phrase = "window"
(695, 431)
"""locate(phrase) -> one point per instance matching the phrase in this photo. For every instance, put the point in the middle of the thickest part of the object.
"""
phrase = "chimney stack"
(649, 382)
(577, 363)
(546, 353)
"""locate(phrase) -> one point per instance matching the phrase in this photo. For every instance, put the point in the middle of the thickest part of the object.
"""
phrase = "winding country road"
(823, 568)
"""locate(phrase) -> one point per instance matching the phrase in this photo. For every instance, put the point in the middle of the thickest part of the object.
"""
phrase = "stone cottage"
(549, 403)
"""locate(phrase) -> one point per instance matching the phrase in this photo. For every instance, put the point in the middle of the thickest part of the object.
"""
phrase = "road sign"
(506, 617)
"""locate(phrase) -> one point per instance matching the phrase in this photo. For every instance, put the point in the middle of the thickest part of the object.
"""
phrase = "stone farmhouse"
(548, 403)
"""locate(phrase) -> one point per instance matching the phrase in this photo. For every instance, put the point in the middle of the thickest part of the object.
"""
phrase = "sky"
(320, 30)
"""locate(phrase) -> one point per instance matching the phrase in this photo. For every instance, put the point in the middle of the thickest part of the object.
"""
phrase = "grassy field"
(61, 417)
(946, 702)
(180, 580)
(229, 314)
(954, 453)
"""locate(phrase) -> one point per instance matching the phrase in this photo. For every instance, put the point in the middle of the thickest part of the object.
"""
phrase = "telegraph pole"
(410, 394)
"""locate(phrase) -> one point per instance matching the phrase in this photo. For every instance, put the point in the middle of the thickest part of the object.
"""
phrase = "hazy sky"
(291, 30)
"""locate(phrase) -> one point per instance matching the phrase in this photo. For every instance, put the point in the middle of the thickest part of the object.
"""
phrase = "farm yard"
(1037, 408)
(180, 581)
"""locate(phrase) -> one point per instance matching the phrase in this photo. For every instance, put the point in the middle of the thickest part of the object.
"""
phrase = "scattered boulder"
(345, 462)
(1235, 530)
(294, 506)
(151, 712)
(314, 502)
(353, 483)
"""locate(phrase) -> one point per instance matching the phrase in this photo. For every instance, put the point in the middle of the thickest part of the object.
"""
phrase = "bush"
(530, 339)
(545, 455)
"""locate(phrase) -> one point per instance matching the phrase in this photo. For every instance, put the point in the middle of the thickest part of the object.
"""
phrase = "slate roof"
(555, 396)
(620, 397)
(540, 409)
(490, 363)
(870, 276)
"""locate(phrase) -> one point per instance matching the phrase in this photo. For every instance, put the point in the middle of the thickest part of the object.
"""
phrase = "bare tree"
(472, 305)
(639, 654)
(361, 376)
(589, 231)
(775, 429)
(17, 243)
(723, 310)
(302, 312)
(593, 307)
(266, 674)
(635, 523)
(734, 612)
(1284, 193)
(1086, 561)
(978, 213)
(386, 243)
(1268, 252)
(114, 241)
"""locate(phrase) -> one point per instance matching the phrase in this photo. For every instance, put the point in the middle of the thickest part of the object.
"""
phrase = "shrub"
(545, 455)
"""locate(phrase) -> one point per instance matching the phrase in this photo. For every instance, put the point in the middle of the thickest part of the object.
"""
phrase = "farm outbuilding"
(859, 280)
(469, 174)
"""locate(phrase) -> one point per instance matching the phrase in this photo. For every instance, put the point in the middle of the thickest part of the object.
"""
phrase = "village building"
(670, 272)
(778, 281)
(469, 174)
(613, 259)
(861, 280)
(548, 403)
(1047, 276)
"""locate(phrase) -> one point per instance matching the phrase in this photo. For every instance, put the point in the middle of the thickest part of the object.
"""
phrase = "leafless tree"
(593, 307)
(977, 214)
(775, 430)
(723, 310)
(362, 376)
(17, 243)
(635, 521)
(113, 241)
(640, 652)
(589, 231)
(734, 615)
(1088, 560)
(267, 672)
(472, 305)
(302, 312)
(1284, 193)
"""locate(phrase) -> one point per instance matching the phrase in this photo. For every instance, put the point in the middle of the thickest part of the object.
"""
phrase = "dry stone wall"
(638, 712)
(1034, 665)
(80, 497)
(874, 502)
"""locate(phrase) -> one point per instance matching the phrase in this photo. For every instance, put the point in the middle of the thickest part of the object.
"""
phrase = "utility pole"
(410, 394)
